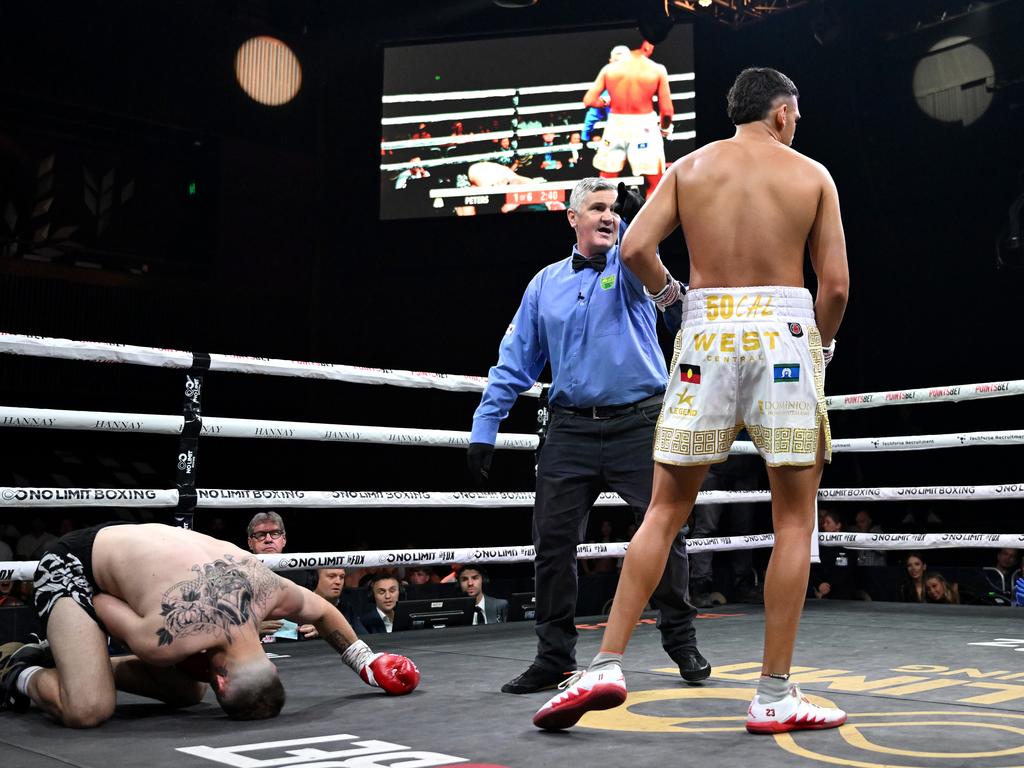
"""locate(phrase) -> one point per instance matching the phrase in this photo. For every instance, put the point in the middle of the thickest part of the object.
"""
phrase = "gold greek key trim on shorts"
(700, 442)
(773, 440)
(818, 361)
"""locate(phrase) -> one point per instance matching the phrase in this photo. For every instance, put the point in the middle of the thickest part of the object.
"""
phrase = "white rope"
(497, 154)
(951, 394)
(465, 138)
(519, 188)
(102, 352)
(539, 109)
(216, 426)
(24, 570)
(528, 90)
(506, 153)
(220, 498)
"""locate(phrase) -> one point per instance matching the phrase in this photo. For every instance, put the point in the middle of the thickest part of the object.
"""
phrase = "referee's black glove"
(478, 460)
(627, 203)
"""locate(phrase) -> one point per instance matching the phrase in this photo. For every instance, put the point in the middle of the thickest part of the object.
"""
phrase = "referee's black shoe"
(536, 679)
(693, 667)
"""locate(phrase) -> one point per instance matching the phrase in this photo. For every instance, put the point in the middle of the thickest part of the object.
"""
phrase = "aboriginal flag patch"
(787, 372)
(796, 329)
(689, 373)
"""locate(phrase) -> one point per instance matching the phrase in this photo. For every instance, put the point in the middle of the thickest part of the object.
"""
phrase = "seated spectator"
(865, 524)
(9, 595)
(31, 545)
(266, 535)
(835, 577)
(369, 573)
(1004, 573)
(418, 575)
(489, 610)
(912, 589)
(6, 554)
(381, 618)
(939, 590)
(330, 586)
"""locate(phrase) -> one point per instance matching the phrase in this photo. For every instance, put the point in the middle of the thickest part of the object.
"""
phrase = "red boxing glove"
(396, 674)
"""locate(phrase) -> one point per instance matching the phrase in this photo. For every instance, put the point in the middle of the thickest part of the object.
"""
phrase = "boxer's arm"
(305, 607)
(665, 108)
(122, 622)
(655, 221)
(827, 245)
(592, 98)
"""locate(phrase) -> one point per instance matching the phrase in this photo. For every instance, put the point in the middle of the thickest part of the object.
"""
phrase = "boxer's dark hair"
(471, 567)
(753, 93)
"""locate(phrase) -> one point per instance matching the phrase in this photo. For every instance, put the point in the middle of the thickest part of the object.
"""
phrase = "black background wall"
(281, 253)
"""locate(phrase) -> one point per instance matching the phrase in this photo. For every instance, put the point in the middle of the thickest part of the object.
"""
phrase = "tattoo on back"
(220, 597)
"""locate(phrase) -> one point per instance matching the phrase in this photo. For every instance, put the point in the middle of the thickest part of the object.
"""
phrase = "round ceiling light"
(268, 70)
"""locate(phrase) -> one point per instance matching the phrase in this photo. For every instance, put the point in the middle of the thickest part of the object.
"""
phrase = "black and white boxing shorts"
(65, 570)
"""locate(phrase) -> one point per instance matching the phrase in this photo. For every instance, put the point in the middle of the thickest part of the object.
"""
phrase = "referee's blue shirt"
(598, 331)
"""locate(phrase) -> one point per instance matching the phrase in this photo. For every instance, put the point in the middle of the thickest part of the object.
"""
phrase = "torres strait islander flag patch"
(787, 372)
(689, 373)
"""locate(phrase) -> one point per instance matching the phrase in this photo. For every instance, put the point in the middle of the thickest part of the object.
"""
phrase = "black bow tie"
(595, 262)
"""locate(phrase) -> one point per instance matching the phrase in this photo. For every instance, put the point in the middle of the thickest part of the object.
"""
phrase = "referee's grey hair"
(585, 187)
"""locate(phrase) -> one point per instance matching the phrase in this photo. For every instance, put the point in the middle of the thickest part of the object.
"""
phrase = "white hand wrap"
(668, 295)
(357, 655)
(827, 352)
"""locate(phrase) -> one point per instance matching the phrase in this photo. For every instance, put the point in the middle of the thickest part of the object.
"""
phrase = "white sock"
(772, 687)
(22, 682)
(605, 659)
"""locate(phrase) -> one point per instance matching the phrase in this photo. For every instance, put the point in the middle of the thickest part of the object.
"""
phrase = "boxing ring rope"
(215, 426)
(104, 352)
(528, 90)
(24, 570)
(221, 498)
(444, 141)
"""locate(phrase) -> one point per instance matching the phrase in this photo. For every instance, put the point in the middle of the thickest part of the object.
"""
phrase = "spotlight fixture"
(705, 3)
(268, 71)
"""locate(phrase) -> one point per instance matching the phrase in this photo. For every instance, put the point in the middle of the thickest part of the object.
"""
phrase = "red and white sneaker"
(581, 693)
(791, 713)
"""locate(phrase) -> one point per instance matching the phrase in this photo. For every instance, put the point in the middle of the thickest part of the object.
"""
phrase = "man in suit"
(489, 610)
(380, 618)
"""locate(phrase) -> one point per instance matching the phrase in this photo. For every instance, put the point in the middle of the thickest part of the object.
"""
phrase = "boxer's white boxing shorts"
(745, 357)
(636, 138)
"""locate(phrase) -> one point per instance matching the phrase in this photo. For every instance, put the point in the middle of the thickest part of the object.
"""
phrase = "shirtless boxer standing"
(174, 597)
(752, 351)
(633, 130)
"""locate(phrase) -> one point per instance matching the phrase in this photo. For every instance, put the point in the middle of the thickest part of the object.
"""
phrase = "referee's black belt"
(610, 411)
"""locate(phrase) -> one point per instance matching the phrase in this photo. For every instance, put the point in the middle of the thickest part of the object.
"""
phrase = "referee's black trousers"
(581, 458)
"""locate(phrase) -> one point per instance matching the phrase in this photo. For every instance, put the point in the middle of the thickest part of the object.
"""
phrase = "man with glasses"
(267, 536)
